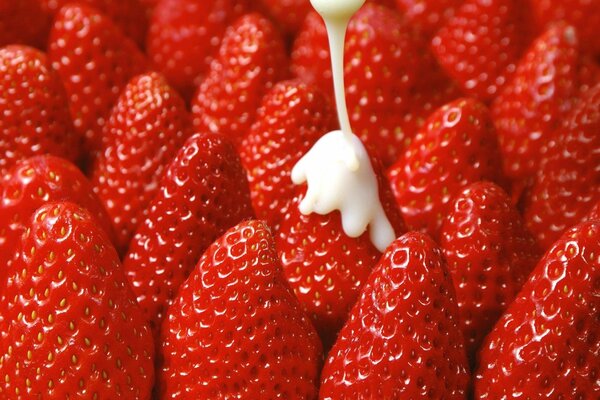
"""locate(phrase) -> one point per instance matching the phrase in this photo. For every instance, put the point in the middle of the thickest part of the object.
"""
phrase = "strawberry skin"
(185, 35)
(489, 254)
(289, 14)
(146, 127)
(481, 44)
(204, 192)
(293, 116)
(34, 182)
(325, 267)
(28, 86)
(71, 327)
(456, 147)
(251, 60)
(379, 73)
(23, 22)
(402, 340)
(428, 15)
(566, 187)
(547, 344)
(246, 336)
(95, 61)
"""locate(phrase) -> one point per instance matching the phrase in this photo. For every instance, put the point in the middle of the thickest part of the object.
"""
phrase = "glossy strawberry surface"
(71, 327)
(246, 335)
(293, 116)
(146, 128)
(251, 60)
(429, 15)
(489, 253)
(547, 344)
(35, 116)
(456, 147)
(204, 192)
(402, 339)
(95, 61)
(12, 28)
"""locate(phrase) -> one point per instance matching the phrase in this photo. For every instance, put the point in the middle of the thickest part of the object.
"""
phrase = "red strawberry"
(147, 126)
(429, 15)
(245, 334)
(531, 106)
(251, 60)
(24, 22)
(95, 61)
(547, 344)
(35, 117)
(402, 340)
(567, 186)
(185, 35)
(293, 116)
(489, 254)
(71, 328)
(480, 46)
(594, 213)
(204, 192)
(128, 15)
(456, 147)
(583, 14)
(289, 14)
(34, 182)
(325, 267)
(379, 73)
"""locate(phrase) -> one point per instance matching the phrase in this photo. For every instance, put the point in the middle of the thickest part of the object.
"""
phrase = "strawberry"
(289, 14)
(128, 15)
(325, 267)
(250, 61)
(184, 36)
(402, 340)
(583, 14)
(429, 15)
(593, 214)
(489, 254)
(33, 182)
(566, 187)
(547, 344)
(531, 106)
(204, 192)
(35, 117)
(246, 336)
(481, 44)
(146, 127)
(95, 61)
(71, 327)
(293, 116)
(379, 73)
(456, 147)
(23, 22)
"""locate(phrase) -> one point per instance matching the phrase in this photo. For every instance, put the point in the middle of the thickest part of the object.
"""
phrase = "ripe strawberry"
(402, 340)
(289, 14)
(567, 186)
(429, 15)
(293, 116)
(547, 344)
(146, 127)
(35, 117)
(71, 327)
(593, 214)
(532, 105)
(481, 44)
(379, 73)
(95, 61)
(128, 15)
(489, 254)
(325, 267)
(456, 147)
(23, 22)
(185, 35)
(204, 192)
(246, 335)
(250, 61)
(33, 182)
(583, 14)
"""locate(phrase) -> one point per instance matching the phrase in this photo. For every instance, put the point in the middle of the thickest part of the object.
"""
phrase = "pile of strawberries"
(150, 236)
